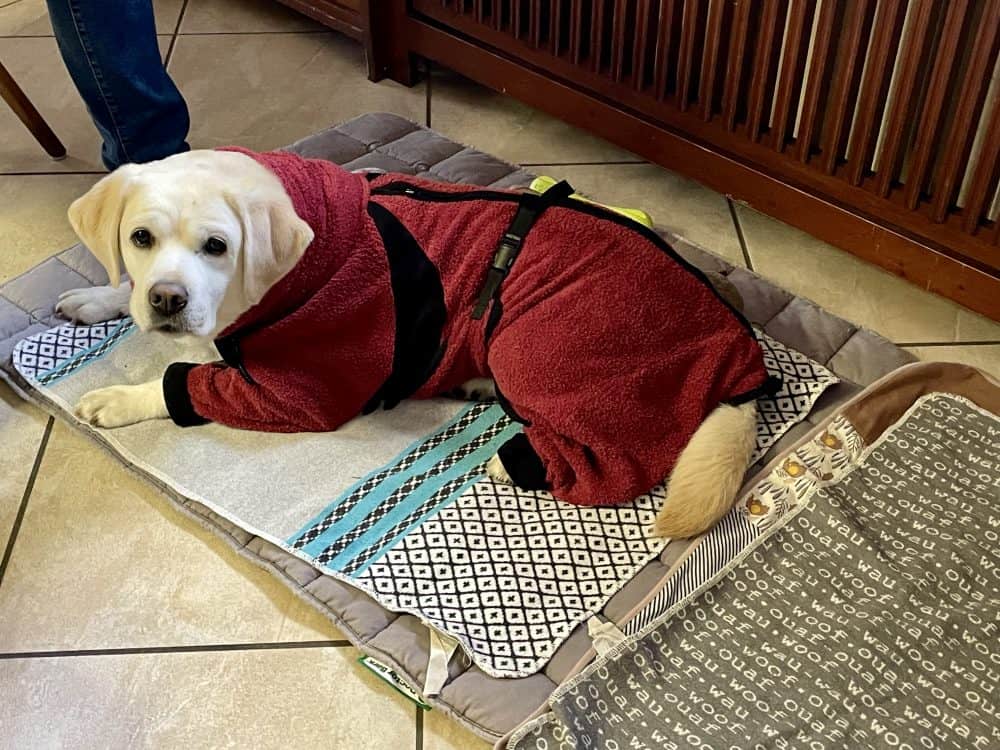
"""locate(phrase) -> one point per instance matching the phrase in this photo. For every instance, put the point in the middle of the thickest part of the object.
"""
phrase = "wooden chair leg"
(26, 112)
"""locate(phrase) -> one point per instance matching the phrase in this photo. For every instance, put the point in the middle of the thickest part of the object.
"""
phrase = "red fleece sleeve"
(196, 394)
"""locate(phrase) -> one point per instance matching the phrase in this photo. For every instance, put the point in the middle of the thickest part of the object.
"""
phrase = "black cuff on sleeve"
(175, 393)
(522, 463)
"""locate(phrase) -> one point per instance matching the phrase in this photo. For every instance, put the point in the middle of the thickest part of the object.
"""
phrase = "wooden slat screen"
(886, 106)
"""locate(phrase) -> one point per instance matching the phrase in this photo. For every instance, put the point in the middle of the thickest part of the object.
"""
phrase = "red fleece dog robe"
(606, 345)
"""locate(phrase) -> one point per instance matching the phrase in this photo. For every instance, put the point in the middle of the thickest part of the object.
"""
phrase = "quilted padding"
(490, 707)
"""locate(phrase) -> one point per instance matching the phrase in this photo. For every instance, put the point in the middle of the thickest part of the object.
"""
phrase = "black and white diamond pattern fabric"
(802, 382)
(511, 573)
(54, 354)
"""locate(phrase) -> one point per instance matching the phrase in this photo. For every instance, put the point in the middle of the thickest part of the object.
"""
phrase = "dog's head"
(203, 236)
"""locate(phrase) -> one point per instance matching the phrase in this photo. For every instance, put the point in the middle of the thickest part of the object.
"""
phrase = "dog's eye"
(214, 246)
(142, 238)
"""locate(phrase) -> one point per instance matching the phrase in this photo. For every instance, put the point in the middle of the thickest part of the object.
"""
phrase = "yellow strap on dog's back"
(542, 183)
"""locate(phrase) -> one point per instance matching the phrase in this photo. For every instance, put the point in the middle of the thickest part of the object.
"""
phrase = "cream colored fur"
(180, 201)
(708, 475)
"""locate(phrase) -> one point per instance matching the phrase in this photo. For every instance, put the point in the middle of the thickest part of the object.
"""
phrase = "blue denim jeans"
(109, 47)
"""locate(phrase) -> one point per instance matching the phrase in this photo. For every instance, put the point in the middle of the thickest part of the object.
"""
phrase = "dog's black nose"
(168, 299)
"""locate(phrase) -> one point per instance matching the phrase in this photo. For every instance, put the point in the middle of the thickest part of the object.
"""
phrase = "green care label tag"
(389, 675)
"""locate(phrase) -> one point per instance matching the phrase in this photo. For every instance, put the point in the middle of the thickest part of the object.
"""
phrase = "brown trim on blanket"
(883, 403)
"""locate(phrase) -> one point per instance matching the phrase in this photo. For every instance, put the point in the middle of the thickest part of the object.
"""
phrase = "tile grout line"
(173, 37)
(619, 163)
(192, 649)
(739, 233)
(419, 719)
(428, 73)
(260, 33)
(53, 173)
(28, 487)
(195, 33)
(950, 343)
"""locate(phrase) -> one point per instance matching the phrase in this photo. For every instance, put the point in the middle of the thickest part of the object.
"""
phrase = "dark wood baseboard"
(928, 266)
(340, 15)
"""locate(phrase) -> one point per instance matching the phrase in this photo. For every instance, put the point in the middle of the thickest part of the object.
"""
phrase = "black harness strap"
(529, 208)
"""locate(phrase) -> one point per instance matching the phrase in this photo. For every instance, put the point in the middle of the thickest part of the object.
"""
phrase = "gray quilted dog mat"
(369, 564)
(507, 574)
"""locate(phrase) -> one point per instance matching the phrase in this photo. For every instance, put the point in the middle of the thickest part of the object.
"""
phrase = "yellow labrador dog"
(203, 235)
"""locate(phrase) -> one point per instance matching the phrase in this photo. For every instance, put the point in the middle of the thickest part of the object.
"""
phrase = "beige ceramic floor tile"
(103, 560)
(38, 69)
(696, 213)
(443, 733)
(25, 18)
(243, 16)
(30, 17)
(985, 357)
(36, 66)
(267, 90)
(502, 126)
(302, 698)
(33, 217)
(21, 428)
(854, 289)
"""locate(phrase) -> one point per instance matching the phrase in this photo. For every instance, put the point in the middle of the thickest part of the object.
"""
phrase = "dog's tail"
(709, 472)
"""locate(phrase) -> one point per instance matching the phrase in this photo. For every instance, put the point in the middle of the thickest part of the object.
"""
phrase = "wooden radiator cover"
(872, 124)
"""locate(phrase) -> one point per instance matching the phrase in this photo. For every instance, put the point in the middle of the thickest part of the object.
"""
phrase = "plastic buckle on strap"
(503, 259)
(509, 247)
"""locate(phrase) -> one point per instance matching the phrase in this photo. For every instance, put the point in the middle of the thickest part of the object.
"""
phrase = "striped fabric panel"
(385, 505)
(416, 498)
(378, 510)
(723, 543)
(340, 507)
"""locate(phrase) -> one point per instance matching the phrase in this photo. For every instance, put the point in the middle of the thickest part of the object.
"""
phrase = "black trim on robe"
(507, 406)
(768, 388)
(420, 312)
(401, 187)
(177, 398)
(229, 350)
(522, 463)
(496, 312)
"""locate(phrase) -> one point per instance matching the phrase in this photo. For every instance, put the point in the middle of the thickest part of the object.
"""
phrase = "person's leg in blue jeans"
(109, 47)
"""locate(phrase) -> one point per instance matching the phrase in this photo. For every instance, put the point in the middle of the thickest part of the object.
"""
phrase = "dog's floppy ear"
(96, 218)
(274, 238)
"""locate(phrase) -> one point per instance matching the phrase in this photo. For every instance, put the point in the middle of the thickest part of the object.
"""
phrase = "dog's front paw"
(122, 405)
(93, 304)
(495, 470)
